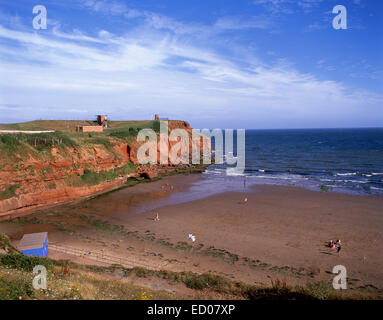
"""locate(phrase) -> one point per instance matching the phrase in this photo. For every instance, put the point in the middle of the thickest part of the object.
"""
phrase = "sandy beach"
(279, 233)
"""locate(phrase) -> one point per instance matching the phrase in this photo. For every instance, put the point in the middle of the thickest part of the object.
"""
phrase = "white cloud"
(238, 23)
(149, 70)
(288, 6)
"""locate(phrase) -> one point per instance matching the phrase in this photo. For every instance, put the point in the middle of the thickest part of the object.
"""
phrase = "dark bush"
(10, 141)
(24, 262)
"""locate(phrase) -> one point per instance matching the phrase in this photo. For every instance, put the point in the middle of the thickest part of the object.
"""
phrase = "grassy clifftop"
(70, 125)
(17, 146)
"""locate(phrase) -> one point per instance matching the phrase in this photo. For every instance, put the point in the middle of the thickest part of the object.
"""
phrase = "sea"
(340, 160)
(344, 160)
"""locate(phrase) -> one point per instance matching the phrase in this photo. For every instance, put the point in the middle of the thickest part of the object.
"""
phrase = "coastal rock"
(55, 177)
(149, 174)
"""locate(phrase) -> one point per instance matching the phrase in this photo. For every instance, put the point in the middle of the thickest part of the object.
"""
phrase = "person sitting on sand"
(191, 237)
(331, 244)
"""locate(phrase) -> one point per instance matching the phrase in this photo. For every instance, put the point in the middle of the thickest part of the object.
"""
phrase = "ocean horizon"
(348, 160)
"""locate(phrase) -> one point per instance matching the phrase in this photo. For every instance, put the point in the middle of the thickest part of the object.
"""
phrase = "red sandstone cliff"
(34, 181)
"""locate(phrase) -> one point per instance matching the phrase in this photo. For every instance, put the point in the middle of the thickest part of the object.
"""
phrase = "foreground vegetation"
(69, 280)
(64, 281)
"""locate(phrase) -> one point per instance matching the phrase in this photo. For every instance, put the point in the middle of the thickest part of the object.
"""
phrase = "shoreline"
(285, 229)
(101, 189)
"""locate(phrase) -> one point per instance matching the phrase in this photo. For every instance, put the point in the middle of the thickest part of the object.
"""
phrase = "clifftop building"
(102, 120)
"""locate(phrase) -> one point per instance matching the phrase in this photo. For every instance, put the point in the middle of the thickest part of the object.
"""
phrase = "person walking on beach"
(157, 218)
(338, 247)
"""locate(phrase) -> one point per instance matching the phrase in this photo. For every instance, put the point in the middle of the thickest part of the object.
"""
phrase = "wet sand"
(282, 228)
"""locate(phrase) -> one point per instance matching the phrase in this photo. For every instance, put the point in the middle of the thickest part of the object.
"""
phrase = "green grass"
(66, 280)
(133, 130)
(14, 147)
(320, 290)
(15, 282)
(105, 142)
(126, 169)
(217, 283)
(41, 141)
(15, 289)
(9, 141)
(92, 178)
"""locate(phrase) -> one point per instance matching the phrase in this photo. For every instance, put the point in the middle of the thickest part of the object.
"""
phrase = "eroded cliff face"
(64, 174)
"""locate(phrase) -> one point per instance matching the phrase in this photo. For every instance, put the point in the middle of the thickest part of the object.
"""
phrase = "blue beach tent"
(34, 244)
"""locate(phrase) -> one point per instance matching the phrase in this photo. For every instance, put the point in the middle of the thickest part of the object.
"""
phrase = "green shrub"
(90, 177)
(196, 283)
(23, 262)
(10, 141)
(141, 272)
(206, 280)
(320, 290)
(122, 133)
(156, 126)
(128, 168)
(16, 288)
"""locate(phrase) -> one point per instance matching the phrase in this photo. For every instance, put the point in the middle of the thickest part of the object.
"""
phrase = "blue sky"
(216, 63)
